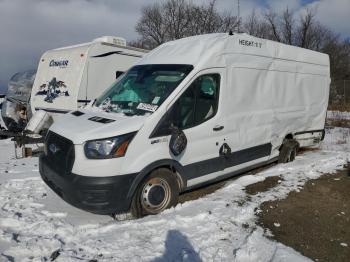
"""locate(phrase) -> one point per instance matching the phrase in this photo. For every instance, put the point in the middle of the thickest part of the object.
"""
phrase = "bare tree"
(173, 19)
(208, 17)
(339, 55)
(251, 24)
(256, 26)
(152, 26)
(228, 22)
(176, 19)
(272, 18)
(287, 27)
(305, 32)
(175, 13)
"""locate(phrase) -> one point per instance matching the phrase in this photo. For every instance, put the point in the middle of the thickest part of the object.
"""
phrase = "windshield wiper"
(135, 112)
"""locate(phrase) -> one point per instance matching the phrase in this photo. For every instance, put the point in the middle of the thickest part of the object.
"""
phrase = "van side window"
(195, 106)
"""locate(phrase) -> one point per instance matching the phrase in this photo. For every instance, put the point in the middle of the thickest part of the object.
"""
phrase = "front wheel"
(156, 193)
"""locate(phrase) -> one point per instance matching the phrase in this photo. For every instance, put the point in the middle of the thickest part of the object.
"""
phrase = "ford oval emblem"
(53, 148)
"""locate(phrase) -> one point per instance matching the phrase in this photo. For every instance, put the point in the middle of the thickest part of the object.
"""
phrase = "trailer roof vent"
(112, 40)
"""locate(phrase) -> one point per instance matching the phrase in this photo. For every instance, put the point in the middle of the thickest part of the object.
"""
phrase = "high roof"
(208, 50)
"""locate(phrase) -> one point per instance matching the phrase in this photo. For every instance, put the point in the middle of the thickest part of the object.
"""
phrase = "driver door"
(197, 112)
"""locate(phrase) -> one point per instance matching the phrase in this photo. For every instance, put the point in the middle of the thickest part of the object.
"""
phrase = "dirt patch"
(198, 193)
(337, 122)
(339, 107)
(307, 149)
(263, 186)
(314, 221)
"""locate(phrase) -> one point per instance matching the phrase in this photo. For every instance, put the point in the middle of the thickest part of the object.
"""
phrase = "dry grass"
(339, 107)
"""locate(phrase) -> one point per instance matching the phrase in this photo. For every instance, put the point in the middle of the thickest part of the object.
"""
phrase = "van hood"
(83, 125)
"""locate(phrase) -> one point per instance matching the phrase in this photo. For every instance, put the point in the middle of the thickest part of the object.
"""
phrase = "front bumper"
(99, 195)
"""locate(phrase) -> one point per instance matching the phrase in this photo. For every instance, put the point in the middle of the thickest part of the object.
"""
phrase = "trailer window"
(196, 105)
(143, 88)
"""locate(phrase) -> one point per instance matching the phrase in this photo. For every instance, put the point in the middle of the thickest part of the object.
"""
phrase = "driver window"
(196, 105)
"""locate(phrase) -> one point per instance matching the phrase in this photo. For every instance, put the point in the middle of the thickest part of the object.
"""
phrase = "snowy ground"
(338, 115)
(35, 224)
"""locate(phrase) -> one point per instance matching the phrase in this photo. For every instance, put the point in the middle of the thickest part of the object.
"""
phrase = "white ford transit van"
(191, 112)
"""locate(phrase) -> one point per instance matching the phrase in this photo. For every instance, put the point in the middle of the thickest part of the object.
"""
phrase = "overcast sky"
(30, 27)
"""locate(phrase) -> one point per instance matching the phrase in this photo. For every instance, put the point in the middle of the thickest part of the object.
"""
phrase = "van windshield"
(143, 88)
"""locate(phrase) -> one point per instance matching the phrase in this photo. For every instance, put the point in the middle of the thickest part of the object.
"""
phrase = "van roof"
(209, 50)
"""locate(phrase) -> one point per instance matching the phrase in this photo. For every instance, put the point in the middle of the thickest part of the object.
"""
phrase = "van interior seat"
(206, 99)
(205, 103)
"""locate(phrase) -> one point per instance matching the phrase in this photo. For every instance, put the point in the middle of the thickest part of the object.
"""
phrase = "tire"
(159, 191)
(288, 151)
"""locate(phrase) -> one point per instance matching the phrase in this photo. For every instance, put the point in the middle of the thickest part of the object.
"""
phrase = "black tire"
(288, 151)
(159, 191)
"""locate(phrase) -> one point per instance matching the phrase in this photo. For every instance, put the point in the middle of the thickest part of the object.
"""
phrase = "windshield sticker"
(147, 107)
(52, 90)
(155, 100)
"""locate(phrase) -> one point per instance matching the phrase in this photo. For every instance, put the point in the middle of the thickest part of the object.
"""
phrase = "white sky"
(30, 27)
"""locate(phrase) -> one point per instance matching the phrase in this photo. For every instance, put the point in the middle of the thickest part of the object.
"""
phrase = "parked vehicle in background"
(15, 111)
(66, 79)
(72, 76)
(192, 111)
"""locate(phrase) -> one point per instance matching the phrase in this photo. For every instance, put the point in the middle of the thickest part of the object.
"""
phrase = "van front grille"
(60, 153)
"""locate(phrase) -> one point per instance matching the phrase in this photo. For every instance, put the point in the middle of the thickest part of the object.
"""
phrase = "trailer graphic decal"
(116, 53)
(52, 90)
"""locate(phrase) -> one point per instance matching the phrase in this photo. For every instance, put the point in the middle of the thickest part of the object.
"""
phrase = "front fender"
(157, 164)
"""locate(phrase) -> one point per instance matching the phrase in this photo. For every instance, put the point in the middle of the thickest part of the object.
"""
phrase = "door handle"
(218, 128)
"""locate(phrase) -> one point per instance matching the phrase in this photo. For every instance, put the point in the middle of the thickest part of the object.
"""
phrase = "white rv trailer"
(72, 76)
(68, 78)
(191, 112)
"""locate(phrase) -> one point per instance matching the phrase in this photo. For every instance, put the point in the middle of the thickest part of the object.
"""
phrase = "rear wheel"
(288, 151)
(156, 193)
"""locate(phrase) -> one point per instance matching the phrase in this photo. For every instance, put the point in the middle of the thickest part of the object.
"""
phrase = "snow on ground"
(35, 224)
(338, 115)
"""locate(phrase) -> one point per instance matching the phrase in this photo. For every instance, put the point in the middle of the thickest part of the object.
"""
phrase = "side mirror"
(178, 141)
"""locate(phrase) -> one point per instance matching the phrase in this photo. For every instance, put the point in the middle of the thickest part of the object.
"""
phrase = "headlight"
(109, 147)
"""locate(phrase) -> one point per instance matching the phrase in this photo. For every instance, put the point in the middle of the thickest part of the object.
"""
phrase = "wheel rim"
(155, 195)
